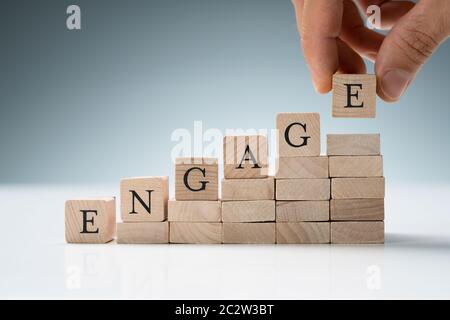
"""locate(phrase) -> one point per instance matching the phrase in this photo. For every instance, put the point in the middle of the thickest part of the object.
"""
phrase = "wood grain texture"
(353, 145)
(249, 233)
(299, 211)
(357, 209)
(154, 188)
(357, 188)
(356, 166)
(302, 167)
(357, 232)
(248, 189)
(202, 180)
(195, 211)
(142, 232)
(302, 130)
(303, 233)
(354, 90)
(97, 225)
(196, 232)
(248, 211)
(303, 189)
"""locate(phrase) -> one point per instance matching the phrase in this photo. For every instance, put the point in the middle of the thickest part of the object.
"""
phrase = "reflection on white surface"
(36, 263)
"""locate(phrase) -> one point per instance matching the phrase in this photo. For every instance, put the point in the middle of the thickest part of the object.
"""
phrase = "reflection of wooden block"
(248, 211)
(245, 157)
(357, 188)
(354, 95)
(196, 179)
(195, 211)
(357, 209)
(144, 199)
(303, 189)
(302, 167)
(356, 166)
(353, 145)
(298, 134)
(90, 220)
(357, 232)
(298, 211)
(248, 189)
(303, 232)
(249, 233)
(196, 232)
(143, 232)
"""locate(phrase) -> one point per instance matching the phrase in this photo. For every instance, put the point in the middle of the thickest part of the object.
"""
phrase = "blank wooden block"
(303, 189)
(196, 232)
(299, 211)
(356, 166)
(249, 233)
(248, 189)
(353, 145)
(196, 179)
(248, 211)
(357, 209)
(354, 95)
(90, 220)
(298, 134)
(144, 199)
(195, 211)
(303, 232)
(357, 188)
(357, 232)
(302, 167)
(245, 157)
(142, 232)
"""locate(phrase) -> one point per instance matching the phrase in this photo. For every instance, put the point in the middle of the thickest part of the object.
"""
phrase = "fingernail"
(395, 82)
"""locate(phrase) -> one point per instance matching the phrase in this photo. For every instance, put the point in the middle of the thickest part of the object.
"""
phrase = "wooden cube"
(302, 167)
(142, 232)
(90, 220)
(357, 232)
(248, 211)
(356, 166)
(196, 232)
(300, 211)
(303, 189)
(303, 232)
(144, 199)
(353, 145)
(195, 211)
(248, 189)
(357, 188)
(357, 209)
(249, 233)
(245, 157)
(354, 95)
(298, 134)
(196, 179)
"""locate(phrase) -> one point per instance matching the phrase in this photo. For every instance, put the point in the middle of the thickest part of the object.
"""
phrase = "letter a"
(73, 21)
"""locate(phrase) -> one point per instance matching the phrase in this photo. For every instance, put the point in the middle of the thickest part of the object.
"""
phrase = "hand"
(334, 39)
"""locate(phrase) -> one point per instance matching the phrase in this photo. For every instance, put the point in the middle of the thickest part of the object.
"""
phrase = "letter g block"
(196, 179)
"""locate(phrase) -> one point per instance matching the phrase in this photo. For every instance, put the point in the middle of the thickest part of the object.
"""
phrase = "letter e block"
(196, 179)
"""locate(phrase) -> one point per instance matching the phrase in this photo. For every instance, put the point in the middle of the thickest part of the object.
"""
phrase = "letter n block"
(196, 179)
(90, 220)
(354, 95)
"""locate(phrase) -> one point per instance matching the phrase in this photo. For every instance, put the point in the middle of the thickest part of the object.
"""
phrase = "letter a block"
(90, 220)
(196, 179)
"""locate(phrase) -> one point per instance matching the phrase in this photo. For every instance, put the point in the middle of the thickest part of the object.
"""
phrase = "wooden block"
(195, 211)
(248, 211)
(90, 220)
(249, 233)
(357, 188)
(303, 233)
(299, 211)
(357, 232)
(302, 167)
(245, 157)
(354, 95)
(248, 189)
(144, 199)
(298, 134)
(357, 209)
(303, 189)
(356, 166)
(142, 232)
(196, 232)
(196, 179)
(353, 145)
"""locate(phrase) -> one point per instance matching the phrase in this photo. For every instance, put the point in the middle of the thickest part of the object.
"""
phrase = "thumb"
(409, 45)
